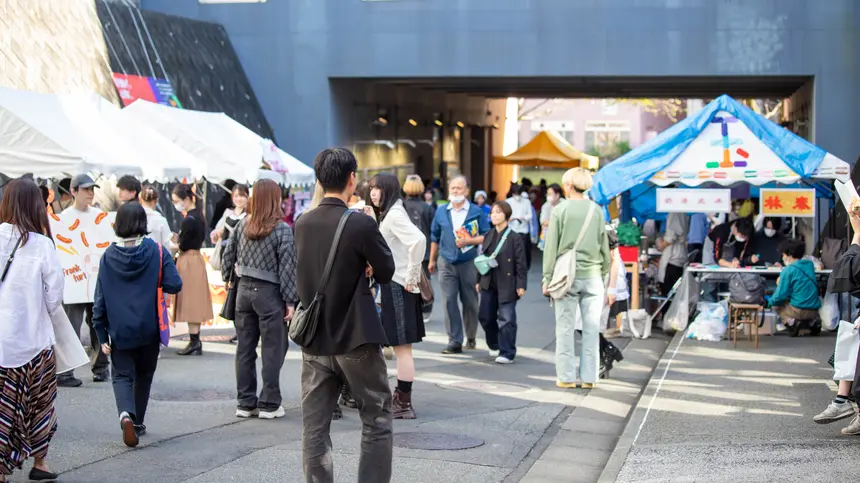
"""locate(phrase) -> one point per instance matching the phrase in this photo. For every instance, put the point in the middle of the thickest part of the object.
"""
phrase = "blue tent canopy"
(640, 164)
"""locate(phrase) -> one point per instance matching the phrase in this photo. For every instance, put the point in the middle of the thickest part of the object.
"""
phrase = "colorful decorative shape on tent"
(725, 143)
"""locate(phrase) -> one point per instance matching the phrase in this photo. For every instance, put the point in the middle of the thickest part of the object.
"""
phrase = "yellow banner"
(788, 202)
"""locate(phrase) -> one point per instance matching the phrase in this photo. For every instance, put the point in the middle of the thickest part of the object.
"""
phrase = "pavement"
(716, 413)
(527, 429)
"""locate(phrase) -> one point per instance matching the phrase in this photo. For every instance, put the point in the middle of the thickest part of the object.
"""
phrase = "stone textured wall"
(53, 46)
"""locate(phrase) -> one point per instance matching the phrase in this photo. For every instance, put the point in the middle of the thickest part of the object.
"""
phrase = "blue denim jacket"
(442, 232)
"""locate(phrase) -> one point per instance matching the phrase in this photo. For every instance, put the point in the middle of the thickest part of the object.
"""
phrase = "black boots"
(401, 405)
(194, 347)
(609, 356)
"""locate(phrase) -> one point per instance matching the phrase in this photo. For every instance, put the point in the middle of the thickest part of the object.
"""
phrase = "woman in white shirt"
(156, 223)
(401, 298)
(31, 288)
(554, 195)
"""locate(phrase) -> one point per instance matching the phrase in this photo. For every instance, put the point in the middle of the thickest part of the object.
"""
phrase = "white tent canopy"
(230, 149)
(50, 135)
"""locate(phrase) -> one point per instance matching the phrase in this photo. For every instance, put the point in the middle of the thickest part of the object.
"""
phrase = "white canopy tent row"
(230, 149)
(59, 135)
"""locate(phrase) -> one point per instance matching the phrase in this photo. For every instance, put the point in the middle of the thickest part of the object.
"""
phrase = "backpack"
(747, 288)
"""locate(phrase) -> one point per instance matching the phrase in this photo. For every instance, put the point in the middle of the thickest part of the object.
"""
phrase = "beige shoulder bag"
(564, 271)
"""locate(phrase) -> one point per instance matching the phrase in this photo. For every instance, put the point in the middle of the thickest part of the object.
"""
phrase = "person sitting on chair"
(796, 296)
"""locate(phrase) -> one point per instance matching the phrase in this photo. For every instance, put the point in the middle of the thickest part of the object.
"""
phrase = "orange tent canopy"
(550, 150)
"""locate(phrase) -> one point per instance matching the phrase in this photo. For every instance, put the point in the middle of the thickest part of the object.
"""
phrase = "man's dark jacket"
(348, 318)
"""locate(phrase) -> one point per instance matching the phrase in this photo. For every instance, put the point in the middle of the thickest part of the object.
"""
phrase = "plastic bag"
(636, 324)
(845, 356)
(711, 323)
(829, 311)
(678, 315)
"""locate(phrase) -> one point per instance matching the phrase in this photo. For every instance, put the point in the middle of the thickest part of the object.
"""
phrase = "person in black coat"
(421, 215)
(503, 285)
(349, 337)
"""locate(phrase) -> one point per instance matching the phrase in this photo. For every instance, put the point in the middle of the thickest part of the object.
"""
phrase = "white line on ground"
(657, 391)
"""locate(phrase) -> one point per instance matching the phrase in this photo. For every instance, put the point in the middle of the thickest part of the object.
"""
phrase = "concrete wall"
(291, 48)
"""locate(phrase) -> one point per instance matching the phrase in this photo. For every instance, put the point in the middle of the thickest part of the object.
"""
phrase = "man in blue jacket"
(458, 230)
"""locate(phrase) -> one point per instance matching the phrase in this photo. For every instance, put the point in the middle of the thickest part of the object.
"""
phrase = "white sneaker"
(247, 413)
(493, 353)
(277, 413)
(834, 412)
(427, 318)
(503, 360)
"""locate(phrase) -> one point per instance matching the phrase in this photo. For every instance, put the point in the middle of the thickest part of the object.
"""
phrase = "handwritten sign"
(81, 238)
(787, 202)
(679, 200)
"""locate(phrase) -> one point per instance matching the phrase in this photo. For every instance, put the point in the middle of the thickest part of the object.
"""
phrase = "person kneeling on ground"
(796, 296)
(127, 327)
(503, 285)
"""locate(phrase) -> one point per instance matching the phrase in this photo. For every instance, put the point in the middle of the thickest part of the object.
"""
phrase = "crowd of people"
(277, 272)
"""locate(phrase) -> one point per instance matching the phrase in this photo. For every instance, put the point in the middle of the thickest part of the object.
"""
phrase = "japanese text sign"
(679, 200)
(788, 202)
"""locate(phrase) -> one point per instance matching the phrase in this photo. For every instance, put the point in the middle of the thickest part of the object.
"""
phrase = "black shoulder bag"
(9, 260)
(303, 327)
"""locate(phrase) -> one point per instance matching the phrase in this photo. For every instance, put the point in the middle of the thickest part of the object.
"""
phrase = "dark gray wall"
(290, 48)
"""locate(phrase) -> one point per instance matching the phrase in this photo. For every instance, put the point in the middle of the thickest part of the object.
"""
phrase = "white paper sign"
(847, 193)
(679, 200)
(272, 157)
(81, 239)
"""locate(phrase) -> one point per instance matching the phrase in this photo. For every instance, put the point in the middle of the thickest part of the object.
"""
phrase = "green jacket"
(797, 287)
(565, 223)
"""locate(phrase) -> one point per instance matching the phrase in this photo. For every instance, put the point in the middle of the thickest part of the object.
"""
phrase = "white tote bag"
(845, 357)
(564, 272)
(69, 353)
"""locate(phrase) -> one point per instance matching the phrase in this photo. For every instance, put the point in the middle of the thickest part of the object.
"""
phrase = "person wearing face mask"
(768, 241)
(503, 286)
(194, 303)
(457, 230)
(796, 297)
(739, 251)
(521, 219)
(554, 195)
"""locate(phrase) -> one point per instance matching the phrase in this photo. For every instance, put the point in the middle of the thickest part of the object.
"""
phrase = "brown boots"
(401, 405)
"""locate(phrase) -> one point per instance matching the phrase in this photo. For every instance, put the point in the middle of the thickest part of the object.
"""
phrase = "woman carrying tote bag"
(576, 261)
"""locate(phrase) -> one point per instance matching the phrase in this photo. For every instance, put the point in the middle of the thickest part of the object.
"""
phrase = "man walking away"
(83, 190)
(521, 220)
(458, 230)
(348, 343)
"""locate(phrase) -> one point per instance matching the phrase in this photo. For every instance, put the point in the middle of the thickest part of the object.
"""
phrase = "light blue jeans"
(587, 294)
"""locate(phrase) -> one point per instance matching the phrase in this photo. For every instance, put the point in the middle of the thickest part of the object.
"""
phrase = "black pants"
(673, 273)
(364, 371)
(527, 242)
(98, 360)
(133, 370)
(691, 247)
(260, 314)
(427, 307)
(499, 321)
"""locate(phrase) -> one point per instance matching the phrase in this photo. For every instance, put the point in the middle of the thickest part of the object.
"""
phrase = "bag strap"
(334, 244)
(501, 242)
(588, 218)
(9, 261)
(160, 263)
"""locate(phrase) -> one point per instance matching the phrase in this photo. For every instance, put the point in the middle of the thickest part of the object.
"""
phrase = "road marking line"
(657, 391)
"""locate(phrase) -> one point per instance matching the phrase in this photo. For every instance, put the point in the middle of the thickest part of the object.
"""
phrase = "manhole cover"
(488, 387)
(436, 441)
(192, 395)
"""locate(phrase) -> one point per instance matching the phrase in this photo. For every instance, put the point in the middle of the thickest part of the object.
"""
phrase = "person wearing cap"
(83, 190)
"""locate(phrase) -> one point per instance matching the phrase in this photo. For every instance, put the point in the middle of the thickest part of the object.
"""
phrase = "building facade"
(324, 70)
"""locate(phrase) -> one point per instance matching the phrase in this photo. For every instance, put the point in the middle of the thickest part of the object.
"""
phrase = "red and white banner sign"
(679, 200)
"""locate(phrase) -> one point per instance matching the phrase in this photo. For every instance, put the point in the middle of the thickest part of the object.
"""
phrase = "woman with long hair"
(156, 224)
(264, 256)
(31, 288)
(401, 298)
(128, 327)
(232, 216)
(194, 303)
(554, 196)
